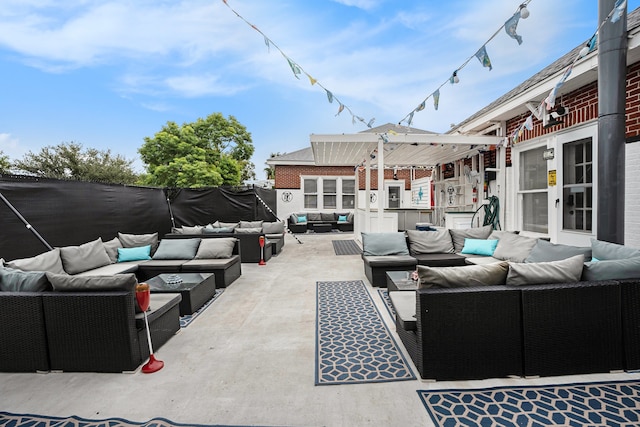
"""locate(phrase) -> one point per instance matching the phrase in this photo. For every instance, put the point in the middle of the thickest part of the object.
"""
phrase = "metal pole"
(612, 78)
(24, 221)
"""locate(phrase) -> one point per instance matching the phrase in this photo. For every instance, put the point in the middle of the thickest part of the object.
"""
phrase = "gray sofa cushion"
(216, 248)
(544, 251)
(602, 250)
(390, 261)
(463, 276)
(137, 240)
(404, 304)
(90, 255)
(217, 230)
(564, 271)
(47, 261)
(118, 282)
(458, 236)
(327, 217)
(14, 280)
(116, 268)
(273, 227)
(257, 230)
(430, 242)
(111, 247)
(177, 249)
(251, 224)
(378, 244)
(512, 247)
(612, 269)
(232, 225)
(314, 216)
(196, 229)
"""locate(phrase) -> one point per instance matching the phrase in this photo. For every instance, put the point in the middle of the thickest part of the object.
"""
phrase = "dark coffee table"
(321, 228)
(400, 281)
(195, 288)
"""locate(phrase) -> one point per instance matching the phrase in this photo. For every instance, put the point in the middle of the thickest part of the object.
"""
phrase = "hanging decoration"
(549, 102)
(297, 70)
(482, 56)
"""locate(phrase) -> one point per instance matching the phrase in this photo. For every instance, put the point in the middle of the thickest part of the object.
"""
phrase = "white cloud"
(10, 146)
(360, 4)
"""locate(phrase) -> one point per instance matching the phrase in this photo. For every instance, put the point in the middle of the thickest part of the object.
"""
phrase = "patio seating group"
(518, 307)
(73, 308)
(320, 222)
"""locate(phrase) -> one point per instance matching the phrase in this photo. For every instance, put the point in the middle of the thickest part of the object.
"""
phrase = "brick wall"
(288, 177)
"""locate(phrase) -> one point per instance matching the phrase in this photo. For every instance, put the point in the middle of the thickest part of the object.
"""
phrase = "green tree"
(71, 161)
(209, 152)
(5, 164)
(270, 170)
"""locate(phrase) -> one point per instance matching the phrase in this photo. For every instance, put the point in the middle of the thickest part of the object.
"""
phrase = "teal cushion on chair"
(302, 219)
(479, 246)
(134, 254)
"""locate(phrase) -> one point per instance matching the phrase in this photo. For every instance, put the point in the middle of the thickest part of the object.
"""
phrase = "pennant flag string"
(481, 54)
(297, 70)
(549, 102)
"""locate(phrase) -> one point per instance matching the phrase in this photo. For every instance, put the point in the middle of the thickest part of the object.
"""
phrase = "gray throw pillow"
(217, 230)
(293, 218)
(48, 261)
(251, 224)
(513, 247)
(602, 250)
(232, 225)
(112, 249)
(314, 216)
(248, 230)
(564, 271)
(327, 217)
(137, 240)
(430, 242)
(463, 276)
(273, 227)
(458, 235)
(90, 255)
(544, 251)
(196, 229)
(380, 244)
(612, 269)
(13, 280)
(116, 282)
(177, 249)
(216, 248)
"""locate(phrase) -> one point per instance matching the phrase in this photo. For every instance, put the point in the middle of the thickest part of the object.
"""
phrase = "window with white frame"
(348, 193)
(577, 186)
(533, 191)
(310, 188)
(329, 193)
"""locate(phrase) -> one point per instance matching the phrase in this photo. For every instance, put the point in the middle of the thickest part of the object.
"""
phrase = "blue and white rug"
(353, 344)
(188, 318)
(30, 420)
(384, 295)
(615, 403)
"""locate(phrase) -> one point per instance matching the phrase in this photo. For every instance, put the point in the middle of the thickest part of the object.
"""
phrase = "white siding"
(632, 196)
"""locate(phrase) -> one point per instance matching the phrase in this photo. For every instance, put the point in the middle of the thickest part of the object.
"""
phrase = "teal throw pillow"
(342, 218)
(302, 218)
(612, 269)
(139, 253)
(14, 280)
(479, 246)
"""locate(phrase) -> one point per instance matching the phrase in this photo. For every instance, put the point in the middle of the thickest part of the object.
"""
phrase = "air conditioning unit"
(553, 117)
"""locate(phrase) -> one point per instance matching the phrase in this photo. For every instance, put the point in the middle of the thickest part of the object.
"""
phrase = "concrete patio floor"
(249, 359)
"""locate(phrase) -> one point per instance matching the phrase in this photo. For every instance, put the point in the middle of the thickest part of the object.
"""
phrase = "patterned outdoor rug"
(346, 247)
(28, 420)
(614, 403)
(188, 318)
(384, 295)
(353, 344)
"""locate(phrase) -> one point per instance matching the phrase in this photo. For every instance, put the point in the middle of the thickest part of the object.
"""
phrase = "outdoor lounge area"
(249, 359)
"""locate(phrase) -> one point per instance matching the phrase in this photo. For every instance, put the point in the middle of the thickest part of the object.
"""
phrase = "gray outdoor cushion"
(612, 269)
(112, 248)
(196, 229)
(216, 248)
(327, 217)
(404, 304)
(137, 240)
(314, 216)
(564, 271)
(218, 230)
(47, 261)
(248, 230)
(90, 255)
(544, 251)
(251, 224)
(273, 227)
(232, 225)
(512, 247)
(458, 236)
(111, 269)
(378, 244)
(430, 242)
(463, 276)
(177, 249)
(602, 250)
(118, 282)
(14, 280)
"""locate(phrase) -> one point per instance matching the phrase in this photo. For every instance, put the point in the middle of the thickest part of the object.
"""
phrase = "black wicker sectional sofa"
(307, 221)
(523, 307)
(73, 308)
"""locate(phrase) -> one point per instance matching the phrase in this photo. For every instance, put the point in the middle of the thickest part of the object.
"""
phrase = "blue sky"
(107, 73)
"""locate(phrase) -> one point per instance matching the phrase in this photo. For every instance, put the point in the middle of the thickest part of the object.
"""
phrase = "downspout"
(612, 78)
